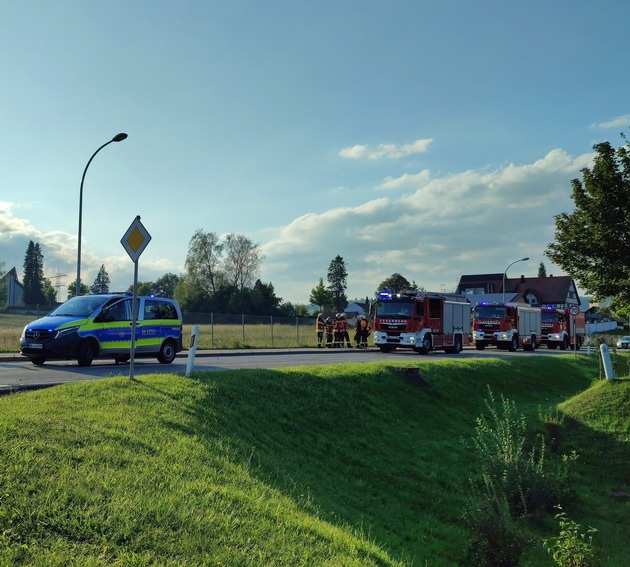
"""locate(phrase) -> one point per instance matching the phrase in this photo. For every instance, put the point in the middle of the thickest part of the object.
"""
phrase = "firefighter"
(337, 329)
(344, 332)
(357, 331)
(363, 332)
(328, 326)
(319, 329)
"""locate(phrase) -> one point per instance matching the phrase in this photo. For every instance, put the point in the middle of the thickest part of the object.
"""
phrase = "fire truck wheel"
(513, 344)
(480, 346)
(457, 348)
(564, 344)
(425, 348)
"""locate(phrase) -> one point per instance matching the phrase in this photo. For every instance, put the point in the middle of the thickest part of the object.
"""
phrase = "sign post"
(134, 242)
(574, 310)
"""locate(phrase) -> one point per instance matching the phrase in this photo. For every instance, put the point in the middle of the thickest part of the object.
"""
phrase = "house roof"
(548, 290)
(551, 289)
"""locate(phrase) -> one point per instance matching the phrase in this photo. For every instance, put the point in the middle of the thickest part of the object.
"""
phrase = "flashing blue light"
(385, 294)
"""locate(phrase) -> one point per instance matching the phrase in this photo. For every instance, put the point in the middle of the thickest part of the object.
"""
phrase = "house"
(354, 309)
(549, 291)
(14, 289)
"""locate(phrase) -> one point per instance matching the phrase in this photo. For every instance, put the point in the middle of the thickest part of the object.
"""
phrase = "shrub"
(571, 548)
(517, 481)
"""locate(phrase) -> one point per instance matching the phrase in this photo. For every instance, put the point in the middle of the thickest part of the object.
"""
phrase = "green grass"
(333, 465)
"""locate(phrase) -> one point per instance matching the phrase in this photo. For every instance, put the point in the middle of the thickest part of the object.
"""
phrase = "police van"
(99, 326)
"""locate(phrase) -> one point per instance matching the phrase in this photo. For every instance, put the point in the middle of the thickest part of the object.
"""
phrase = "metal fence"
(217, 330)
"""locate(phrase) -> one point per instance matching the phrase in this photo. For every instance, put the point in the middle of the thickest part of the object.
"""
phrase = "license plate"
(35, 345)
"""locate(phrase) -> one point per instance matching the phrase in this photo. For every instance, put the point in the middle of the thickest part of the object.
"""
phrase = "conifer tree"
(33, 275)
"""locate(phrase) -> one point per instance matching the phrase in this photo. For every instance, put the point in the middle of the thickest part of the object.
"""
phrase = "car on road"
(99, 326)
(623, 342)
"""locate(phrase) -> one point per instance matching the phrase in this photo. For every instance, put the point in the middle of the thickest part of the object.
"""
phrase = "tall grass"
(335, 465)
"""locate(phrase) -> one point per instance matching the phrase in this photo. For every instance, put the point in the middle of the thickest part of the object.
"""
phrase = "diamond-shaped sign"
(136, 239)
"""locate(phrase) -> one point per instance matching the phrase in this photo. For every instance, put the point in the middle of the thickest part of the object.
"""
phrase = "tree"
(321, 296)
(33, 275)
(542, 271)
(190, 297)
(203, 261)
(592, 244)
(50, 294)
(101, 282)
(72, 289)
(242, 261)
(166, 284)
(263, 299)
(395, 283)
(337, 282)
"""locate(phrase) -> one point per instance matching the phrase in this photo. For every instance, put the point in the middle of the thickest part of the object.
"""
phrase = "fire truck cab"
(422, 321)
(506, 326)
(561, 329)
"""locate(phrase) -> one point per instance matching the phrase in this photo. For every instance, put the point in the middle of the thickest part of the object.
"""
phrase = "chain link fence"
(223, 331)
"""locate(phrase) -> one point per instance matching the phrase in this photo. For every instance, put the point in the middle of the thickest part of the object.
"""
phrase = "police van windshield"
(489, 312)
(81, 306)
(394, 309)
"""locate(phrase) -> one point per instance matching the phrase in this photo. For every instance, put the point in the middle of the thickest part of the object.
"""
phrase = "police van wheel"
(167, 353)
(38, 360)
(86, 353)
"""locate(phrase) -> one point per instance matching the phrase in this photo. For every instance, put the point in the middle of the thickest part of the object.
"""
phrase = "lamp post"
(117, 138)
(505, 272)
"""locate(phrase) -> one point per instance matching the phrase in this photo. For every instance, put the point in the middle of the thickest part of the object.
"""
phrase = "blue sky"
(432, 139)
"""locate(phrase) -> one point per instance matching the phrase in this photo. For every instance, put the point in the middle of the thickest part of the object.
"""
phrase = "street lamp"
(117, 138)
(505, 272)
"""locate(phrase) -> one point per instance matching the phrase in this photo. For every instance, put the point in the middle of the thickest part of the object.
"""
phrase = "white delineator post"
(192, 350)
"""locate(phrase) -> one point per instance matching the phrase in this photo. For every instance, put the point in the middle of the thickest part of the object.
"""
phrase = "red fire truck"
(560, 328)
(422, 321)
(506, 326)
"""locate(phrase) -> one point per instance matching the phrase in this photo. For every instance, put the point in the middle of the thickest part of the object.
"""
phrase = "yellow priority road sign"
(136, 239)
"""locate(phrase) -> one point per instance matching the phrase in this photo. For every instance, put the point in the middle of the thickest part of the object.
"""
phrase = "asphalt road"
(17, 373)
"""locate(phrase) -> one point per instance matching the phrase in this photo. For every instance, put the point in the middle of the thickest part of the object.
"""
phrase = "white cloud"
(389, 151)
(407, 180)
(470, 222)
(617, 122)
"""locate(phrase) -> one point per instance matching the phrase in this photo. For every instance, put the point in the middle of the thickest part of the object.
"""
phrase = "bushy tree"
(321, 296)
(72, 289)
(166, 284)
(101, 282)
(263, 299)
(50, 294)
(33, 282)
(395, 283)
(337, 282)
(592, 244)
(542, 271)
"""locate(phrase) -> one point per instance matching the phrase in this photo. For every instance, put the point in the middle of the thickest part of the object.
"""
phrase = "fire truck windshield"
(549, 316)
(489, 312)
(394, 309)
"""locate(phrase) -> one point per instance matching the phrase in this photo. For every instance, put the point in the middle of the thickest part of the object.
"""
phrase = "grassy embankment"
(334, 465)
